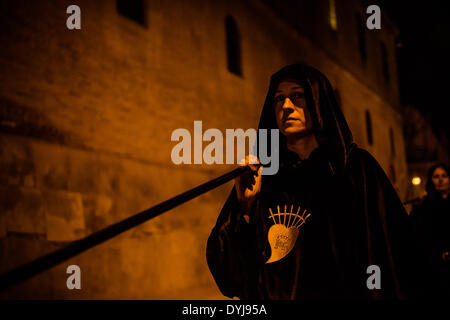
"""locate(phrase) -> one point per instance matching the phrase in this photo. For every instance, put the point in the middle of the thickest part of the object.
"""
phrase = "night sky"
(424, 57)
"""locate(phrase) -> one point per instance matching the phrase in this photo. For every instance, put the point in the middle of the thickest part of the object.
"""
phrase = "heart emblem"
(283, 235)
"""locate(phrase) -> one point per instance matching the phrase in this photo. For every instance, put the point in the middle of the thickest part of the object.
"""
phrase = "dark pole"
(50, 260)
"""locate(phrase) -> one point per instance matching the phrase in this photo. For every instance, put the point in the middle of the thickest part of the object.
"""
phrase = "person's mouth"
(291, 119)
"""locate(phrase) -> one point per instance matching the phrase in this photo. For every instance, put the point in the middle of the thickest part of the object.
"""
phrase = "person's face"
(290, 108)
(440, 180)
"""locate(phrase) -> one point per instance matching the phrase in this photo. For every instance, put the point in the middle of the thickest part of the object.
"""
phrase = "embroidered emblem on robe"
(283, 234)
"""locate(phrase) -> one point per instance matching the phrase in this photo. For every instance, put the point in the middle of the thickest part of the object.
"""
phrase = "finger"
(260, 170)
(249, 159)
(253, 162)
(252, 159)
(257, 168)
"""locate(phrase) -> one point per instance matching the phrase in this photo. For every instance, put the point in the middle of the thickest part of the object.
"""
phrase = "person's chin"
(293, 130)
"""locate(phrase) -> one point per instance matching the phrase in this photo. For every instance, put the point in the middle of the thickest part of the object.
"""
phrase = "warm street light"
(416, 181)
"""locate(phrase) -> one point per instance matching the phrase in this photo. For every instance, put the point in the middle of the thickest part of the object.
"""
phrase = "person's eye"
(298, 95)
(279, 98)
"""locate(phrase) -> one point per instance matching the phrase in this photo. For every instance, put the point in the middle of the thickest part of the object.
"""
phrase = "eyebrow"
(297, 87)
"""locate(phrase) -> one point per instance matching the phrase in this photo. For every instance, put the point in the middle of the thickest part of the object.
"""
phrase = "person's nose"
(288, 104)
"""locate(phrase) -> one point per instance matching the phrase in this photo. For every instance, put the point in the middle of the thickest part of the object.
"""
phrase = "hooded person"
(430, 219)
(328, 224)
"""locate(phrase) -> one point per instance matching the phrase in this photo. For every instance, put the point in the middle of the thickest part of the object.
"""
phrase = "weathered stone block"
(52, 166)
(22, 210)
(16, 164)
(97, 212)
(64, 216)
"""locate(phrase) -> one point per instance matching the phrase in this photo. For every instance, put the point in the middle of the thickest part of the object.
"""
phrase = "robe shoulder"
(374, 189)
(361, 159)
(368, 176)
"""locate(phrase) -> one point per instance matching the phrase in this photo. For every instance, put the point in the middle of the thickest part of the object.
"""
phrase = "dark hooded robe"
(430, 219)
(356, 218)
(431, 223)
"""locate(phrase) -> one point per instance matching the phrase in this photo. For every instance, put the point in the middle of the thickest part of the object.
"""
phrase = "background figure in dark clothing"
(431, 223)
(351, 216)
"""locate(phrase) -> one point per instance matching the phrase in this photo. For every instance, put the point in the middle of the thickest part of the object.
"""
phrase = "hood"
(329, 125)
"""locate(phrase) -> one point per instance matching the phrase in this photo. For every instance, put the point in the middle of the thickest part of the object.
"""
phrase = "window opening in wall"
(337, 94)
(233, 46)
(369, 128)
(391, 138)
(361, 39)
(132, 9)
(385, 63)
(332, 17)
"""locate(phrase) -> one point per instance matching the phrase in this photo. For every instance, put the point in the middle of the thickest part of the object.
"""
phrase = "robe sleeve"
(390, 242)
(231, 251)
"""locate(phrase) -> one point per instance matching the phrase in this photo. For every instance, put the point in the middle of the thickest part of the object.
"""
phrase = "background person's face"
(290, 108)
(440, 180)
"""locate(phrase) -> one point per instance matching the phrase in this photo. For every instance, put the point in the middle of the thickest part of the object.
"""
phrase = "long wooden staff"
(47, 261)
